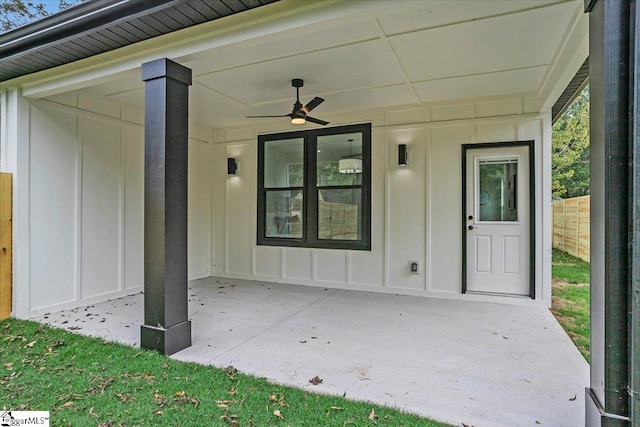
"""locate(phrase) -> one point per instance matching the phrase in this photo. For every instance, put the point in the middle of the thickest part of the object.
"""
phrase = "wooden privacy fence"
(5, 245)
(571, 221)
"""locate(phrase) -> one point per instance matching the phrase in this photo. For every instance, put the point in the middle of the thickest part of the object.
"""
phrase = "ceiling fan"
(299, 113)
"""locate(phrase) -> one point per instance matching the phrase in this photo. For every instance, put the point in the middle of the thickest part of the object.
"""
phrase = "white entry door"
(498, 220)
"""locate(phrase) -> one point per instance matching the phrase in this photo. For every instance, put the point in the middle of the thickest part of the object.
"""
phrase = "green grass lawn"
(571, 298)
(569, 269)
(89, 382)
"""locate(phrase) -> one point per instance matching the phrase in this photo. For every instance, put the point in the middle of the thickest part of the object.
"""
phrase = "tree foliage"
(570, 149)
(16, 13)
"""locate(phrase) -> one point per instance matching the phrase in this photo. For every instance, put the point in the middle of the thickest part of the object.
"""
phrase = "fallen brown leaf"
(224, 403)
(231, 372)
(315, 380)
(232, 420)
(372, 415)
(160, 399)
(278, 414)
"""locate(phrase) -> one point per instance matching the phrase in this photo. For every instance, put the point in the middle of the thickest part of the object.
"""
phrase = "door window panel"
(497, 193)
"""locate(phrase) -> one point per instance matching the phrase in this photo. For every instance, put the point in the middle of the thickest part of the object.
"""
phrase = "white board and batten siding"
(86, 204)
(86, 172)
(416, 210)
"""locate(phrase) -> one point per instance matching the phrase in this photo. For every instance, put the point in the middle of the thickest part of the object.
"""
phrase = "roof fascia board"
(76, 21)
(573, 97)
(180, 45)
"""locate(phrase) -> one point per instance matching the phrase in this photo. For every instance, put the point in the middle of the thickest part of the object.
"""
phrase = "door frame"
(532, 207)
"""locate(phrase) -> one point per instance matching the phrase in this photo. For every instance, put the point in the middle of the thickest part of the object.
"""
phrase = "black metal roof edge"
(588, 5)
(571, 92)
(84, 17)
(99, 26)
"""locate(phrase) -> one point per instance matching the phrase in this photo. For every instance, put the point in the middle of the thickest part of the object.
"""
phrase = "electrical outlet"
(414, 267)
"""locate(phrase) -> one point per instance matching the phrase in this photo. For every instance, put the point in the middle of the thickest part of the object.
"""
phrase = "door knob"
(470, 217)
(471, 227)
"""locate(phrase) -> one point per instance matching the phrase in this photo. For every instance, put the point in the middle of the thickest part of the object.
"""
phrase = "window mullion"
(311, 192)
(340, 192)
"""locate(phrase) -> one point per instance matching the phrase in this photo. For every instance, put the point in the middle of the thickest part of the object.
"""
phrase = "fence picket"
(571, 226)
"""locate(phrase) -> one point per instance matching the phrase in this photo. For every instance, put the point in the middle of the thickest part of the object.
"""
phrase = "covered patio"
(487, 365)
(429, 78)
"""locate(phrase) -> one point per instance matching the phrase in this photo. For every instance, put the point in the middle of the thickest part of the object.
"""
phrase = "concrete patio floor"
(481, 364)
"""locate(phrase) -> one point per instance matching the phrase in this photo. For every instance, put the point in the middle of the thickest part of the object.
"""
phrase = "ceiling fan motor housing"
(299, 114)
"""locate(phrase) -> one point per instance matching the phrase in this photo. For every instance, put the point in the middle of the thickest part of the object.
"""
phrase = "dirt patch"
(558, 303)
(563, 320)
(562, 285)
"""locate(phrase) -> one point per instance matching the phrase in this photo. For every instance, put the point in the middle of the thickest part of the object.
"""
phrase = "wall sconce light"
(232, 166)
(403, 155)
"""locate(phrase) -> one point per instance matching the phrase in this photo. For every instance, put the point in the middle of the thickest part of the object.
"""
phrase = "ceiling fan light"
(350, 166)
(297, 120)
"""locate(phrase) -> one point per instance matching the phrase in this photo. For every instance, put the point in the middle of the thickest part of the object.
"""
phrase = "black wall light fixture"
(232, 166)
(402, 155)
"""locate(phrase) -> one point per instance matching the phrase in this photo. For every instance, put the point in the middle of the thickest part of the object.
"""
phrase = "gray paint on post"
(166, 327)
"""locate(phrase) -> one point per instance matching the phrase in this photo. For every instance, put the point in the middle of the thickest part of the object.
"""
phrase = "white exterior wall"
(416, 210)
(86, 204)
(82, 239)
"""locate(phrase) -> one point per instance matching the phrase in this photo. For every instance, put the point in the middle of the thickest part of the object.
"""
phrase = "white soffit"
(361, 65)
(281, 45)
(440, 13)
(525, 81)
(356, 100)
(413, 52)
(127, 81)
(201, 99)
(506, 42)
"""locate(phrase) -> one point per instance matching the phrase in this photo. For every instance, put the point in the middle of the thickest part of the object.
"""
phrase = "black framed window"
(314, 188)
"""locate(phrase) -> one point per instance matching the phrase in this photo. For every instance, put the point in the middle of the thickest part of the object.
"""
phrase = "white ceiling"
(419, 51)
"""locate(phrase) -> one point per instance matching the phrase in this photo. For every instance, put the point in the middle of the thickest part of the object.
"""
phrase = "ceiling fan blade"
(318, 121)
(261, 117)
(312, 104)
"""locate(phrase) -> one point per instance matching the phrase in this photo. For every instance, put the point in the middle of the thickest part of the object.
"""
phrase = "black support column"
(166, 326)
(634, 211)
(610, 59)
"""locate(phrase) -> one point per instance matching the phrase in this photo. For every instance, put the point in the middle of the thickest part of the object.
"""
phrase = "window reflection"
(497, 190)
